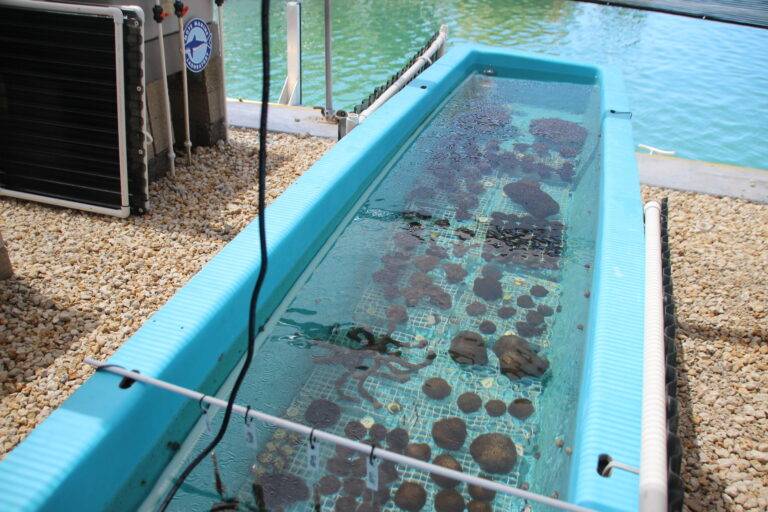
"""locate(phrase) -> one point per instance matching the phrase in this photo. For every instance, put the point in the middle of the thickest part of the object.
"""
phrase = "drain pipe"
(652, 150)
(314, 434)
(653, 452)
(429, 56)
(181, 10)
(159, 14)
(220, 14)
(329, 112)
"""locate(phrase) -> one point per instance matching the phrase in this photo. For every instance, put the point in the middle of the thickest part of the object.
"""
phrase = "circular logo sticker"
(198, 45)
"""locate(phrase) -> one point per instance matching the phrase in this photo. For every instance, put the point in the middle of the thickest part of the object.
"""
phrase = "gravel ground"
(86, 282)
(719, 265)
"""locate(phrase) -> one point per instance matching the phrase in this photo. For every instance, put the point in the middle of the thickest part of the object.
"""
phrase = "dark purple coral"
(487, 288)
(476, 309)
(483, 118)
(407, 240)
(437, 251)
(524, 240)
(396, 314)
(282, 489)
(322, 413)
(370, 360)
(529, 195)
(454, 273)
(421, 286)
(564, 136)
(425, 263)
(459, 249)
(468, 347)
(517, 359)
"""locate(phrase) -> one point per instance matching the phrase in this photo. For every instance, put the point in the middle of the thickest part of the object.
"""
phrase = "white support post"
(329, 111)
(220, 15)
(291, 92)
(653, 451)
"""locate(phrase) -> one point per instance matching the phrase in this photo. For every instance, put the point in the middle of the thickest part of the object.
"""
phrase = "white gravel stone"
(719, 250)
(83, 283)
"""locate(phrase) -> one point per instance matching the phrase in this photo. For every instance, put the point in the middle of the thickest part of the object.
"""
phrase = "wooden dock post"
(5, 262)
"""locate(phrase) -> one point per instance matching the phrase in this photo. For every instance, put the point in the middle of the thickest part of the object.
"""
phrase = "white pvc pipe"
(122, 212)
(652, 150)
(329, 111)
(220, 13)
(338, 440)
(653, 451)
(166, 98)
(185, 90)
(431, 53)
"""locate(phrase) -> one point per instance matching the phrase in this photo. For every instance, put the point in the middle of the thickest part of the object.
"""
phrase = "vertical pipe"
(653, 452)
(220, 14)
(329, 112)
(181, 10)
(291, 91)
(441, 49)
(159, 16)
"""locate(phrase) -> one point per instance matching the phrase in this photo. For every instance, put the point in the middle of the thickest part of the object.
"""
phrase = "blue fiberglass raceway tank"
(492, 203)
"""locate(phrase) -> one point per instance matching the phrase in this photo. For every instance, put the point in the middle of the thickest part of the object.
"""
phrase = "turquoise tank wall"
(560, 397)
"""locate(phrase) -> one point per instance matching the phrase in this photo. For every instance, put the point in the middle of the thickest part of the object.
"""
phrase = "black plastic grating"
(674, 446)
(378, 91)
(59, 131)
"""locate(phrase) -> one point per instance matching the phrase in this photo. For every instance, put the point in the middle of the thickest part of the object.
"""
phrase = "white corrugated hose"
(653, 452)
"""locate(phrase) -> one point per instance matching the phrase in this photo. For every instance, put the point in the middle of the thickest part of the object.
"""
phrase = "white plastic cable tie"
(250, 430)
(372, 471)
(313, 452)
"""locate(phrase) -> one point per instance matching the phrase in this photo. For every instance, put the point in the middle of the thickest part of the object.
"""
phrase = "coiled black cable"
(262, 268)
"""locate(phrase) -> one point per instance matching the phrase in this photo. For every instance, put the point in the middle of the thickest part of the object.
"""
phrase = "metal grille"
(71, 106)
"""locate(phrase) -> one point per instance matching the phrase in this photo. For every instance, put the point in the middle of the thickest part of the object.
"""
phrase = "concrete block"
(205, 98)
(6, 270)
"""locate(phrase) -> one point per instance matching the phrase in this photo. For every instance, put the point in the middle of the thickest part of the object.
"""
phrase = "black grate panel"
(133, 45)
(59, 133)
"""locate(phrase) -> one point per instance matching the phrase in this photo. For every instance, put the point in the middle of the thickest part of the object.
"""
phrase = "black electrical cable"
(262, 268)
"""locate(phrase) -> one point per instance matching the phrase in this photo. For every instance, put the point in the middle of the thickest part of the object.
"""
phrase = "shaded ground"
(719, 269)
(86, 282)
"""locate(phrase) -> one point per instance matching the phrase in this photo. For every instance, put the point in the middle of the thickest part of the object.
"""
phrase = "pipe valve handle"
(180, 9)
(159, 14)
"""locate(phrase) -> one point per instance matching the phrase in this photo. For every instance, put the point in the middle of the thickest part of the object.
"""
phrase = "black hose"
(262, 268)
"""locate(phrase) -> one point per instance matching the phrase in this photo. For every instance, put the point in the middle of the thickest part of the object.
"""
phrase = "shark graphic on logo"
(194, 44)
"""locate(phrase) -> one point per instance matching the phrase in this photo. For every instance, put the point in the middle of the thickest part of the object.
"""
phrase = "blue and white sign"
(198, 45)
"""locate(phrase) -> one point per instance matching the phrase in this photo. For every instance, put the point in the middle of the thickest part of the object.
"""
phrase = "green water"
(481, 229)
(697, 87)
